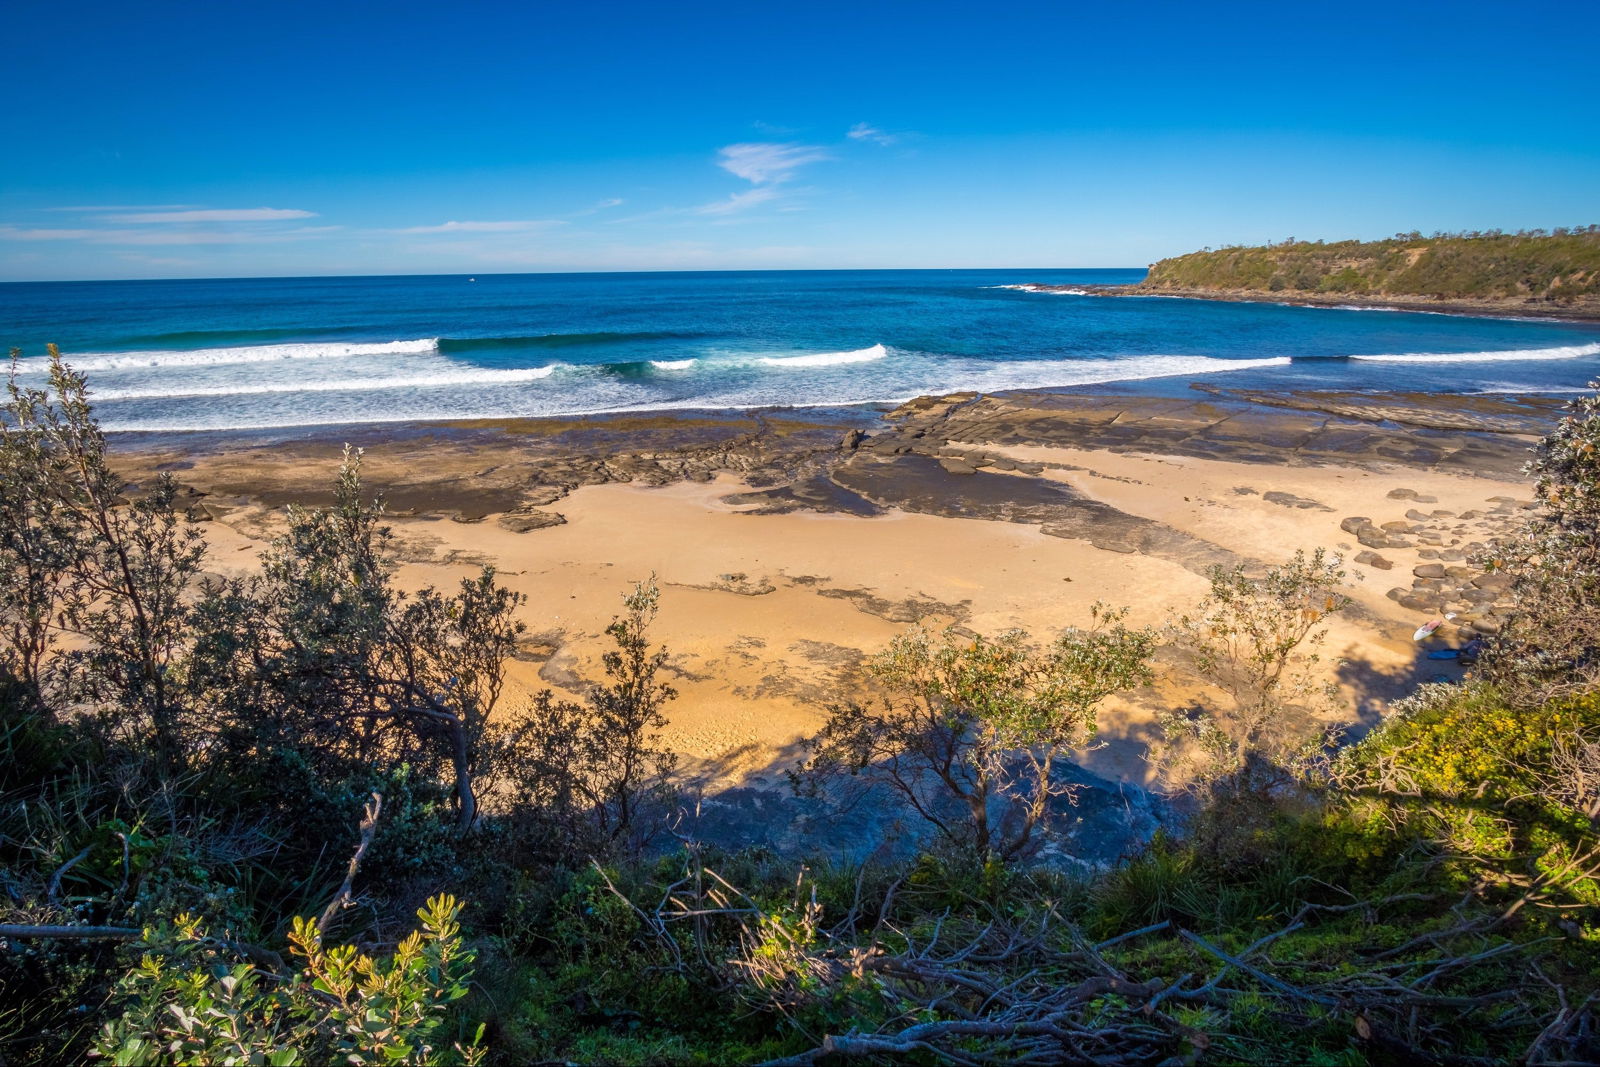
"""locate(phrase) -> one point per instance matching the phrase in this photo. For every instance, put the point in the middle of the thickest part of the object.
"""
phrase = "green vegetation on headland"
(1530, 270)
(278, 819)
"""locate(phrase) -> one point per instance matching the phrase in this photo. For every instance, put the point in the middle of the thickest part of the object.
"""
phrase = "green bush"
(191, 1001)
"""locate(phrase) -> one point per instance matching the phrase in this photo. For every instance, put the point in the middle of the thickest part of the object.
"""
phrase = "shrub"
(190, 1001)
(975, 723)
(1550, 645)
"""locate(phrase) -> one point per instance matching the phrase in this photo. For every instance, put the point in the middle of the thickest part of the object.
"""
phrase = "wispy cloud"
(86, 209)
(504, 226)
(19, 233)
(160, 236)
(737, 202)
(244, 214)
(863, 131)
(768, 163)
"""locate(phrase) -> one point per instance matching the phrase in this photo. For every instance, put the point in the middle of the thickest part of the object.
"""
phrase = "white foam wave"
(1050, 375)
(1034, 287)
(1022, 374)
(211, 357)
(672, 364)
(1504, 356)
(342, 385)
(828, 359)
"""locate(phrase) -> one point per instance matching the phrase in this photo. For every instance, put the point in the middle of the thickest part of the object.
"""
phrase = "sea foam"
(1506, 355)
(338, 385)
(1034, 287)
(828, 359)
(213, 357)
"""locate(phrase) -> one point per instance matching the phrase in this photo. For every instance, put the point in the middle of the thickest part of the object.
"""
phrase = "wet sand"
(791, 547)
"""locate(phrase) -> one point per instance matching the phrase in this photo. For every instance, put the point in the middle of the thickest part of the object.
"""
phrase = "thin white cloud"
(245, 214)
(863, 131)
(609, 202)
(761, 194)
(160, 236)
(90, 208)
(768, 163)
(18, 233)
(505, 226)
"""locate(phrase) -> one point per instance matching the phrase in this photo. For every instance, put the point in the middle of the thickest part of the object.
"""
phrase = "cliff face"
(1553, 270)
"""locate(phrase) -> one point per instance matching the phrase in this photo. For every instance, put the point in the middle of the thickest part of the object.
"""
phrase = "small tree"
(320, 655)
(1255, 638)
(971, 730)
(38, 542)
(593, 768)
(1550, 646)
(78, 557)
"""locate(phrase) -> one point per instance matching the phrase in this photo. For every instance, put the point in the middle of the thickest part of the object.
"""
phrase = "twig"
(342, 899)
(1259, 975)
(55, 879)
(126, 870)
(1154, 928)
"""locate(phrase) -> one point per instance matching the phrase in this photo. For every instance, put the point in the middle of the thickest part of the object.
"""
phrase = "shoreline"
(1298, 298)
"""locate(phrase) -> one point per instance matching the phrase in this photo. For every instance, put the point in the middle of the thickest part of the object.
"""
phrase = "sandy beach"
(789, 548)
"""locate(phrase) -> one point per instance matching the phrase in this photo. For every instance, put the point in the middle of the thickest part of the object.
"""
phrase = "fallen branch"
(342, 899)
(71, 933)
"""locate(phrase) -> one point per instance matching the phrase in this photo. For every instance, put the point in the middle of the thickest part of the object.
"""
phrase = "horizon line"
(530, 273)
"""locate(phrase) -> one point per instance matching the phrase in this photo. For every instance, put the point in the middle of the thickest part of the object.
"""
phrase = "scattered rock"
(740, 583)
(531, 519)
(1110, 545)
(1372, 559)
(1429, 570)
(541, 495)
(1411, 494)
(957, 466)
(1289, 500)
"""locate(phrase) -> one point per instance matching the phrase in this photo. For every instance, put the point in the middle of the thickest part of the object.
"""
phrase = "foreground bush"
(190, 1001)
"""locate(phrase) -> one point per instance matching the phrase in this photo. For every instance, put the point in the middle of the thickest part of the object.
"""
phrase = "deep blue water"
(272, 352)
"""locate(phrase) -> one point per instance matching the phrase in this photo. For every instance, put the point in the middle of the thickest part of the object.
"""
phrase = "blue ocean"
(290, 352)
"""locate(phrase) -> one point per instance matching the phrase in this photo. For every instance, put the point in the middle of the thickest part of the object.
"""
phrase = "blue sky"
(239, 139)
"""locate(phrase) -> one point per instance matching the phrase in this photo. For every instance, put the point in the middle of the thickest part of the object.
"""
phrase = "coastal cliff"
(1555, 273)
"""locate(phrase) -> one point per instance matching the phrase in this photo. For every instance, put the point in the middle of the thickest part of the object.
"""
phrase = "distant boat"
(472, 279)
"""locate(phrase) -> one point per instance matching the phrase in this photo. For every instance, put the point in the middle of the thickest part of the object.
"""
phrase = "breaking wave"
(1506, 355)
(214, 357)
(338, 385)
(1035, 287)
(827, 359)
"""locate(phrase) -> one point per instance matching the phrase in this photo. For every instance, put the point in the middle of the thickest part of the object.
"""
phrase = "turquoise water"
(257, 353)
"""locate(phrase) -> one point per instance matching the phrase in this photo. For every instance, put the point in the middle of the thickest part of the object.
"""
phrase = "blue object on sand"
(1444, 653)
